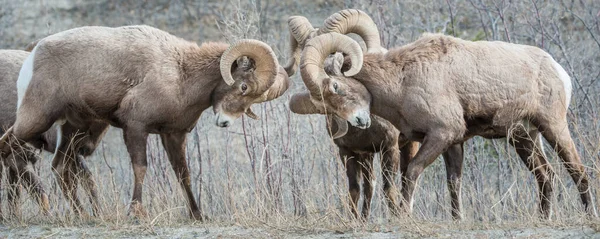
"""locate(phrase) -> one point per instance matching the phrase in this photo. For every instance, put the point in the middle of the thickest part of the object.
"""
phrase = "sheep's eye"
(335, 87)
(244, 87)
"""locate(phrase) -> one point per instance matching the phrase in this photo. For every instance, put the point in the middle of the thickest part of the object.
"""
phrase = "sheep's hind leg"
(135, 141)
(528, 147)
(558, 135)
(175, 147)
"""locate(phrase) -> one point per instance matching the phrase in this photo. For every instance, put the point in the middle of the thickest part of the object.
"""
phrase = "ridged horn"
(354, 21)
(342, 127)
(281, 85)
(315, 52)
(300, 30)
(263, 56)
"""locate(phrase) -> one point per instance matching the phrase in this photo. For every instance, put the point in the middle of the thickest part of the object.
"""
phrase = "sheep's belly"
(486, 129)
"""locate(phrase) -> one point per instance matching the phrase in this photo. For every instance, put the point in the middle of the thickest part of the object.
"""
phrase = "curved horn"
(282, 83)
(354, 21)
(315, 52)
(300, 30)
(342, 127)
(260, 52)
(290, 66)
(251, 114)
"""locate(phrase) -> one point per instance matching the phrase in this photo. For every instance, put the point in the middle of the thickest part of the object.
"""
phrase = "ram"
(18, 164)
(356, 146)
(68, 164)
(442, 91)
(145, 81)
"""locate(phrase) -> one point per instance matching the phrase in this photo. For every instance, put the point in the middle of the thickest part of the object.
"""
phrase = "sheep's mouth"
(360, 119)
(223, 120)
(362, 125)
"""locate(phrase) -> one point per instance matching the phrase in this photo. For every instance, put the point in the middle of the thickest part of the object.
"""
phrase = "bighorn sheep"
(356, 146)
(145, 81)
(68, 162)
(442, 90)
(19, 162)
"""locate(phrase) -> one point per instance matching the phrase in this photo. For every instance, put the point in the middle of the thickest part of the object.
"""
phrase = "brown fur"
(137, 78)
(442, 91)
(18, 162)
(358, 146)
(69, 166)
(357, 150)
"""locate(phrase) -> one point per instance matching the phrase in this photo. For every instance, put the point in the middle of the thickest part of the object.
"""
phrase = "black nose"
(224, 124)
(359, 121)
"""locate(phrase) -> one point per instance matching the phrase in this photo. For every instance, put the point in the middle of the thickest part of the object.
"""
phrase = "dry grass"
(281, 174)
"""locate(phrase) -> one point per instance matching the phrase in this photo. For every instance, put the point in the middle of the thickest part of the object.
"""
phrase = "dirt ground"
(213, 231)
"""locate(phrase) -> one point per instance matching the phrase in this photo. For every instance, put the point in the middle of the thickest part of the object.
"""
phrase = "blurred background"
(284, 168)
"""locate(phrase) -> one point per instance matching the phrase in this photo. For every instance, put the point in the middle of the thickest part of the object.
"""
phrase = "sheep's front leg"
(407, 153)
(88, 183)
(135, 141)
(390, 160)
(366, 161)
(434, 144)
(175, 146)
(453, 158)
(354, 174)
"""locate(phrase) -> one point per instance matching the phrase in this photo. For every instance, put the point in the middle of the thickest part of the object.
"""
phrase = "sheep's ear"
(333, 64)
(301, 104)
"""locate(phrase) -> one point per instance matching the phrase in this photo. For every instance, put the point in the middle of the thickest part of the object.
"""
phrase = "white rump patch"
(564, 77)
(25, 75)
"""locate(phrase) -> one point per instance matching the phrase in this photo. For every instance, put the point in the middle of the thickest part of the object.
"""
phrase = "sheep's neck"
(386, 92)
(201, 75)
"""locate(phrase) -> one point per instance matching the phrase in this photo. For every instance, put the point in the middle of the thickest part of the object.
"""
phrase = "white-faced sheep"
(356, 146)
(442, 91)
(143, 80)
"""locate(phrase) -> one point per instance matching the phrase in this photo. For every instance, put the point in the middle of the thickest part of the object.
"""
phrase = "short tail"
(31, 45)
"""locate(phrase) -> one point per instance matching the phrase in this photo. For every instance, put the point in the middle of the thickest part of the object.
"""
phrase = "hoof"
(198, 216)
(45, 204)
(137, 211)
